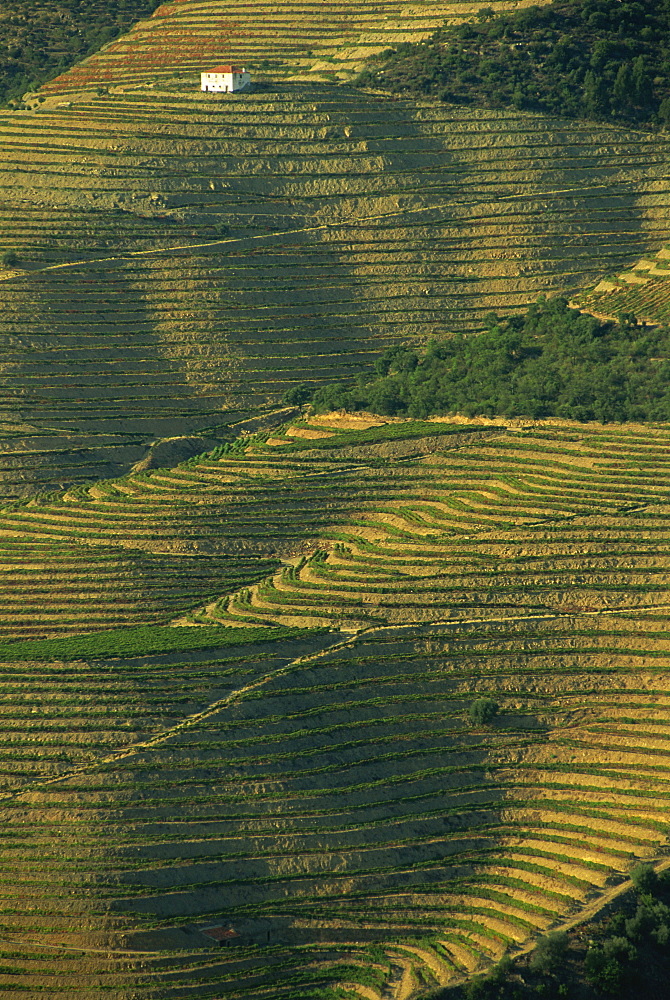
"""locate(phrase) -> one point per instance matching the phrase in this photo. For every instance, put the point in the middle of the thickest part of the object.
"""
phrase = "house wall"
(223, 82)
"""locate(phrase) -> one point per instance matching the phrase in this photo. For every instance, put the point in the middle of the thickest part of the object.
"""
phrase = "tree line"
(550, 361)
(40, 41)
(576, 58)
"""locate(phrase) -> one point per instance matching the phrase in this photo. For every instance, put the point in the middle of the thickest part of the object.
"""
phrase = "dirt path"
(356, 220)
(166, 734)
(371, 632)
(585, 914)
(601, 902)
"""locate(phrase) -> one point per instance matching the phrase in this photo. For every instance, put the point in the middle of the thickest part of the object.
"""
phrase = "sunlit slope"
(643, 290)
(448, 521)
(347, 221)
(62, 716)
(342, 801)
(554, 517)
(294, 39)
(153, 545)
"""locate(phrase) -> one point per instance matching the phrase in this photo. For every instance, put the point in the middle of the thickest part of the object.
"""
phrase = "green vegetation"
(483, 711)
(644, 878)
(577, 58)
(622, 954)
(326, 785)
(551, 361)
(106, 357)
(549, 951)
(40, 41)
(141, 642)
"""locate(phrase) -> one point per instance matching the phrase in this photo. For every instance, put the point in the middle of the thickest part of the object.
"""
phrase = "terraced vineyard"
(326, 797)
(362, 539)
(345, 222)
(642, 290)
(319, 800)
(510, 504)
(147, 546)
(324, 40)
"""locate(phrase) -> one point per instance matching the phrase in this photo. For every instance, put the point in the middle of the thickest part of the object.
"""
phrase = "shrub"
(501, 970)
(474, 989)
(483, 711)
(549, 950)
(605, 964)
(298, 395)
(644, 878)
(662, 935)
(638, 924)
(10, 258)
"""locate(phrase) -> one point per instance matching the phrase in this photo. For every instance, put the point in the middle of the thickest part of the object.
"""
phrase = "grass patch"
(387, 432)
(144, 640)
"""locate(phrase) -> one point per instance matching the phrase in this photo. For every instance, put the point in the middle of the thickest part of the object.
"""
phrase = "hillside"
(346, 222)
(325, 41)
(244, 647)
(39, 41)
(325, 795)
(641, 291)
(317, 224)
(579, 58)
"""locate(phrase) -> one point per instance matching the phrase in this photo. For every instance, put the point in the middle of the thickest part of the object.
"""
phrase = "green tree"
(642, 82)
(549, 951)
(622, 89)
(483, 711)
(593, 95)
(298, 394)
(644, 878)
(606, 964)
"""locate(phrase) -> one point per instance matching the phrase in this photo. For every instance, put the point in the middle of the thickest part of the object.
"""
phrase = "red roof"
(227, 69)
(221, 933)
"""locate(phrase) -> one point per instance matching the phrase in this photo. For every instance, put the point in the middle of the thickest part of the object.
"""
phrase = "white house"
(224, 79)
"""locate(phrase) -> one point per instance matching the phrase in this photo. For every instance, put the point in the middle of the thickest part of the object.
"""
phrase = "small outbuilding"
(224, 936)
(224, 79)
